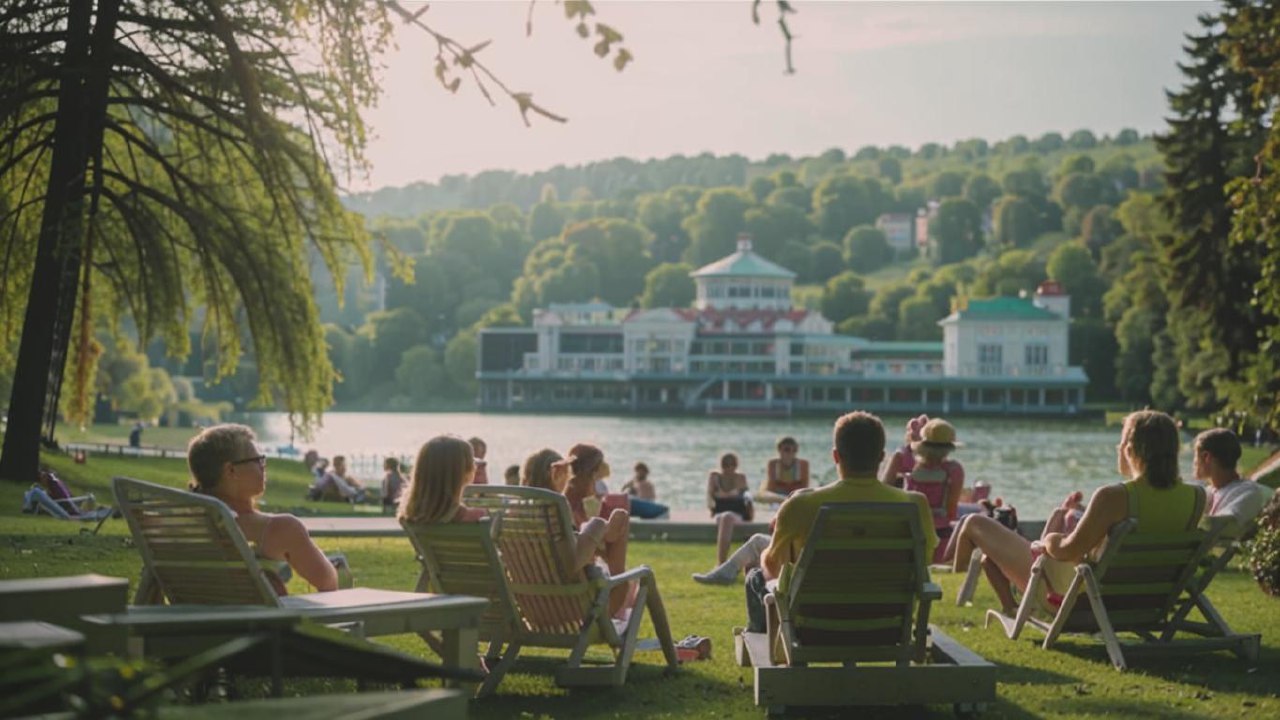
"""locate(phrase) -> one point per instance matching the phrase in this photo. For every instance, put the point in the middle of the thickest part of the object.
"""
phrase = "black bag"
(740, 505)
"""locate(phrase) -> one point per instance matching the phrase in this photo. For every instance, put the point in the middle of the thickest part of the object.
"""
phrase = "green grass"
(1075, 680)
(167, 437)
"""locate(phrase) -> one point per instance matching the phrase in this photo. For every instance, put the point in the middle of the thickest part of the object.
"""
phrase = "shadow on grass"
(1214, 670)
(1157, 707)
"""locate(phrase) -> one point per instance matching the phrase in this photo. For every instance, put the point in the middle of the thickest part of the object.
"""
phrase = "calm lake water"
(1030, 462)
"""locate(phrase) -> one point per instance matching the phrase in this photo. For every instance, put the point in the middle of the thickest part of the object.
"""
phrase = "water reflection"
(1032, 462)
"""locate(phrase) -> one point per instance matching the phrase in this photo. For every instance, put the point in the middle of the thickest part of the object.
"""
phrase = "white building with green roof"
(744, 349)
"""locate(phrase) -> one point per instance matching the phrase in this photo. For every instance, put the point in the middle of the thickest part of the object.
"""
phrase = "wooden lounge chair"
(194, 553)
(860, 594)
(1136, 586)
(524, 564)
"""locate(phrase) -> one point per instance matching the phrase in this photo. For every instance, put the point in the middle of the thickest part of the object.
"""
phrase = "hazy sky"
(705, 79)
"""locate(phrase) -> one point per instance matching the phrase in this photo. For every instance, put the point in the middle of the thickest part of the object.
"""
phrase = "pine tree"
(1213, 134)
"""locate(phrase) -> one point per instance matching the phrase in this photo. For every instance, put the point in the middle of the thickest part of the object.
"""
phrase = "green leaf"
(621, 60)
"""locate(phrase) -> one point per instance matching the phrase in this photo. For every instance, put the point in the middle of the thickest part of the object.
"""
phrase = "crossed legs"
(608, 539)
(725, 522)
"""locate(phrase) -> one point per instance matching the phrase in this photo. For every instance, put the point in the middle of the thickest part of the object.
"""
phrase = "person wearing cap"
(935, 475)
(903, 459)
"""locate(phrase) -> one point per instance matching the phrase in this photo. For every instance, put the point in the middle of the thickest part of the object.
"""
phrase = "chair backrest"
(853, 592)
(460, 559)
(534, 535)
(191, 546)
(1141, 576)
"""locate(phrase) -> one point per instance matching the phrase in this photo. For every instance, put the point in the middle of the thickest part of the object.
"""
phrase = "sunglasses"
(260, 459)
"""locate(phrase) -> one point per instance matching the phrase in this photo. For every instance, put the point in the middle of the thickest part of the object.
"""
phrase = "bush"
(1264, 553)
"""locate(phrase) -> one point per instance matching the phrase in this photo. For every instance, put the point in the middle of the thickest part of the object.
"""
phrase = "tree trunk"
(50, 303)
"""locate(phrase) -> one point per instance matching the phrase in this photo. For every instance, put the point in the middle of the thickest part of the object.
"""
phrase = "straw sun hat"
(937, 433)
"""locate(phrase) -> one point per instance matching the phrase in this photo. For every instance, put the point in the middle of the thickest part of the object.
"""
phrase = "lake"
(1032, 463)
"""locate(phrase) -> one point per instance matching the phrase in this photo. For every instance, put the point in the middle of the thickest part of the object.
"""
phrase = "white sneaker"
(724, 574)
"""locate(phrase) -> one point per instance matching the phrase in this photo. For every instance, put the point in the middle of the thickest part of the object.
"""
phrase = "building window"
(1037, 355)
(990, 359)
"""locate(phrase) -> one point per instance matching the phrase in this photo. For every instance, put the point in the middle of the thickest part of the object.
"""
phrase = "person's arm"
(779, 551)
(955, 485)
(802, 472)
(1108, 506)
(893, 470)
(288, 533)
(770, 476)
(926, 524)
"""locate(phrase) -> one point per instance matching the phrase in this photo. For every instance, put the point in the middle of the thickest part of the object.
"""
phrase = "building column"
(510, 391)
(724, 389)
(924, 397)
(1007, 400)
(1041, 397)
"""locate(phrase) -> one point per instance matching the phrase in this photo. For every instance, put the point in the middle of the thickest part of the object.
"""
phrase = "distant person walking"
(135, 435)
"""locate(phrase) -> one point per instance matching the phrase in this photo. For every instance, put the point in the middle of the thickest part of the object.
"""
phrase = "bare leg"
(725, 523)
(1000, 584)
(745, 557)
(1007, 550)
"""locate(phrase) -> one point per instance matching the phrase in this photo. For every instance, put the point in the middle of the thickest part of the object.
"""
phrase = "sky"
(705, 79)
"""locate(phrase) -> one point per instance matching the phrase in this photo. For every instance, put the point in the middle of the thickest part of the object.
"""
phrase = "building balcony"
(997, 370)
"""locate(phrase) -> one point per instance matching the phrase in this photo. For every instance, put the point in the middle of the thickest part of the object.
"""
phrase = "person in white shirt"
(1216, 453)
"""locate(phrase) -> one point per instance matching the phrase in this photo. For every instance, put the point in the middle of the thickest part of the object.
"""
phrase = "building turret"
(743, 281)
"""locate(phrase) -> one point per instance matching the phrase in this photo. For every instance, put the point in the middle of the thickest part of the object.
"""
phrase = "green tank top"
(1164, 510)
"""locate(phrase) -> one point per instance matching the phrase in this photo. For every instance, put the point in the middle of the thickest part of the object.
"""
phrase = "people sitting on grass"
(1152, 492)
(784, 474)
(1216, 453)
(337, 483)
(729, 502)
(393, 483)
(226, 463)
(935, 475)
(643, 496)
(858, 452)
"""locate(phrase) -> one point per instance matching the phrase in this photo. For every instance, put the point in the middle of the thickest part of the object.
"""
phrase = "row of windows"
(748, 291)
(1033, 354)
(580, 343)
(651, 346)
(589, 364)
(717, 366)
(732, 347)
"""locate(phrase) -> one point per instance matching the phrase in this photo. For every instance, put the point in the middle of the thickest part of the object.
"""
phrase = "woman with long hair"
(1151, 492)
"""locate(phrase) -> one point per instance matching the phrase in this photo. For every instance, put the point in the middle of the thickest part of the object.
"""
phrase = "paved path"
(683, 525)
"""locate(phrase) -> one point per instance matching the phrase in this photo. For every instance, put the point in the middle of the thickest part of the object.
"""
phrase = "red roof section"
(1050, 287)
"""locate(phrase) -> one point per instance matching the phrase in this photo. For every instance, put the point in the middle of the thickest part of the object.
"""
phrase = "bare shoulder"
(285, 524)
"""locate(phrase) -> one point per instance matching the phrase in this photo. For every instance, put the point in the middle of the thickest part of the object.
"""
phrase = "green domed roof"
(744, 263)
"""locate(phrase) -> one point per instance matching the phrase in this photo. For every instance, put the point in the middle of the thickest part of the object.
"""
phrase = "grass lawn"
(1075, 680)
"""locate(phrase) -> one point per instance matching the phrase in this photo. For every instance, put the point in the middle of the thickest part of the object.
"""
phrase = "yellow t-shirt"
(798, 513)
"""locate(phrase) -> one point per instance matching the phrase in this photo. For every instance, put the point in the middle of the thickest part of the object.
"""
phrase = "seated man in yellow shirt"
(859, 448)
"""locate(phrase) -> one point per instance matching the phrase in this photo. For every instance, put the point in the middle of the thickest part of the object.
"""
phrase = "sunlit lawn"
(1075, 680)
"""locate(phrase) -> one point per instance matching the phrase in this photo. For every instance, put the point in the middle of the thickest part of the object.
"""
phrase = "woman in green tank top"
(1147, 457)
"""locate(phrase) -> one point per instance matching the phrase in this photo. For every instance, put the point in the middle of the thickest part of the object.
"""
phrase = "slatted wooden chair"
(1136, 586)
(849, 622)
(548, 600)
(462, 559)
(193, 553)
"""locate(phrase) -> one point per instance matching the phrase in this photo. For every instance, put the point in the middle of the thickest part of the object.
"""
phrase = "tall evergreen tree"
(1213, 134)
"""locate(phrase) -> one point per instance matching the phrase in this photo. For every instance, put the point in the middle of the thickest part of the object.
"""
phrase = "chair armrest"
(930, 591)
(636, 573)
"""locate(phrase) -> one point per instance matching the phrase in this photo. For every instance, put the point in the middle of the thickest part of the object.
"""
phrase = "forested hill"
(624, 178)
